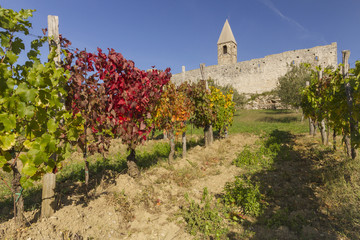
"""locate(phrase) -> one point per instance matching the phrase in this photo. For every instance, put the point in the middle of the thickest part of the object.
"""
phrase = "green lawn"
(263, 121)
(259, 121)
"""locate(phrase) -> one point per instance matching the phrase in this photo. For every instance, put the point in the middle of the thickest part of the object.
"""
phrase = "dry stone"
(265, 102)
(261, 75)
(256, 75)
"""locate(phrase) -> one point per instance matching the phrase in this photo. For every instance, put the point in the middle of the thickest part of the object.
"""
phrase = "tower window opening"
(225, 49)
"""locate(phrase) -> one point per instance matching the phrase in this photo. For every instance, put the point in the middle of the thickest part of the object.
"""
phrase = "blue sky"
(172, 33)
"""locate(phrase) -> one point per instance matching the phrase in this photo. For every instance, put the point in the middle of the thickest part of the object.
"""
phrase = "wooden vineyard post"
(172, 146)
(226, 132)
(208, 133)
(322, 126)
(349, 99)
(53, 33)
(48, 195)
(311, 124)
(49, 179)
(184, 144)
(183, 75)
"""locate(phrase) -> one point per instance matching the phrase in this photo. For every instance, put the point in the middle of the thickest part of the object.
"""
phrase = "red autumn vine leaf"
(133, 94)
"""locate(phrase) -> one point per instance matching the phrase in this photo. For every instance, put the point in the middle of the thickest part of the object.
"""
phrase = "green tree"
(290, 85)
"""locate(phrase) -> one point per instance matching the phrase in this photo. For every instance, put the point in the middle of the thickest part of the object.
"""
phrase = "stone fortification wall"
(261, 75)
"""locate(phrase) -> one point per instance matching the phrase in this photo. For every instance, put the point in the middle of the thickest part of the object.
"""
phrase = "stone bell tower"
(227, 46)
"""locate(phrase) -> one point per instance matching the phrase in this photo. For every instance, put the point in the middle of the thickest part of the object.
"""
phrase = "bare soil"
(121, 207)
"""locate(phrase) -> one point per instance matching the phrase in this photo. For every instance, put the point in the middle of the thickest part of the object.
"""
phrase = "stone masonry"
(256, 75)
(227, 46)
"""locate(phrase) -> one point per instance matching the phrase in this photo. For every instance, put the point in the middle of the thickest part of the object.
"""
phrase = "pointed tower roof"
(226, 34)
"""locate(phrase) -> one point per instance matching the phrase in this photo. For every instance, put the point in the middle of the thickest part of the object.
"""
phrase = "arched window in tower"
(225, 49)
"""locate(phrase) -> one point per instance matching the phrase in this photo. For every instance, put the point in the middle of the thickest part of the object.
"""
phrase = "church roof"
(226, 34)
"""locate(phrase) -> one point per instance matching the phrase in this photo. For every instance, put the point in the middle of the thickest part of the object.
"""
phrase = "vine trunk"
(18, 198)
(133, 169)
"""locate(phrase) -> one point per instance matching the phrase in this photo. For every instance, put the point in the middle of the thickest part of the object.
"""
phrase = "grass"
(265, 121)
(341, 193)
(307, 185)
(261, 121)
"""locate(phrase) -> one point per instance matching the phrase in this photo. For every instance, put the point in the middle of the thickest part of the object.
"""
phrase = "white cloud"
(272, 7)
(305, 33)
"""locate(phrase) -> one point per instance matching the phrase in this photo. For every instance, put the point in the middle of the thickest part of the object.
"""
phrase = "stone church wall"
(261, 75)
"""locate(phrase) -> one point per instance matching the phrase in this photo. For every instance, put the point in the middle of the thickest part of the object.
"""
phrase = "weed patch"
(283, 217)
(122, 205)
(341, 193)
(243, 197)
(184, 176)
(246, 157)
(204, 219)
(146, 159)
(273, 147)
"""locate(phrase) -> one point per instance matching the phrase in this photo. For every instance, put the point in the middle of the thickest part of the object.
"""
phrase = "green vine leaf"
(26, 94)
(7, 141)
(25, 182)
(8, 121)
(3, 161)
(52, 125)
(11, 57)
(29, 169)
(25, 111)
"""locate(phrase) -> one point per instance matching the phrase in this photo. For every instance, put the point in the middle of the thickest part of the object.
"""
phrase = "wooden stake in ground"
(311, 122)
(322, 124)
(85, 156)
(49, 179)
(172, 145)
(184, 144)
(48, 195)
(349, 99)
